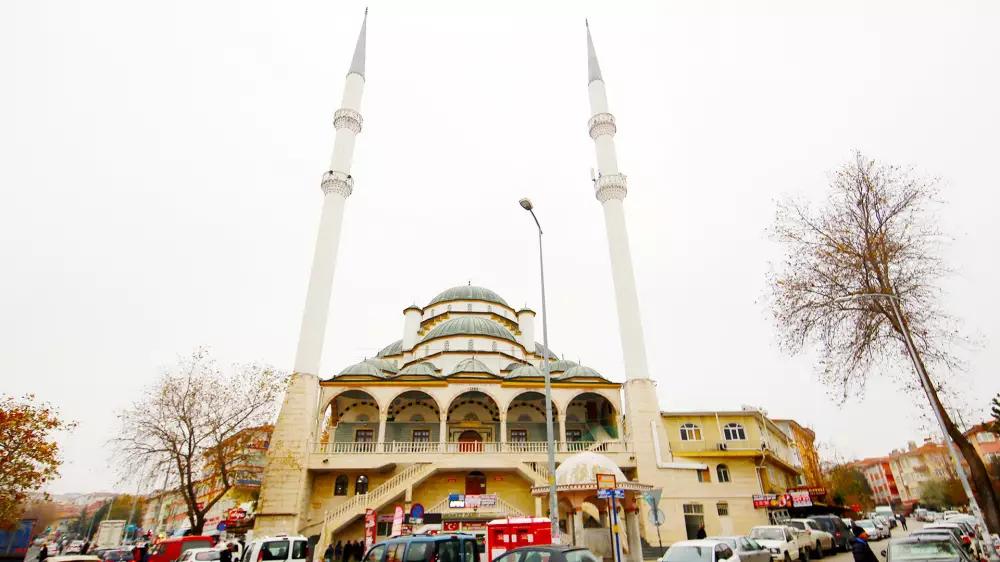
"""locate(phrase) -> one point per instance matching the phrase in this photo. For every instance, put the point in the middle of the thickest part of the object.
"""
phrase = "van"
(450, 547)
(169, 550)
(279, 548)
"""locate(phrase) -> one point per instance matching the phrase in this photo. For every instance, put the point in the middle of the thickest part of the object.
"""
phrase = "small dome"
(525, 371)
(471, 365)
(513, 366)
(394, 348)
(469, 326)
(363, 368)
(384, 365)
(583, 468)
(468, 293)
(424, 368)
(559, 366)
(580, 371)
(540, 350)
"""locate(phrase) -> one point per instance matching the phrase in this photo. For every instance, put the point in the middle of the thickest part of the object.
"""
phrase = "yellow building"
(806, 457)
(917, 465)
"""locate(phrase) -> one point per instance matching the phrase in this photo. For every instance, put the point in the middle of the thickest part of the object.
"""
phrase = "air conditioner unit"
(723, 446)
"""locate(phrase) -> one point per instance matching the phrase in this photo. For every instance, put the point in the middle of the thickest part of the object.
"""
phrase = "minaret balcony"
(610, 186)
(337, 182)
(345, 118)
(602, 124)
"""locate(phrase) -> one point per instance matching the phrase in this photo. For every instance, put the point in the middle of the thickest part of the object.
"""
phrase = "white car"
(279, 548)
(780, 541)
(702, 550)
(819, 541)
(874, 530)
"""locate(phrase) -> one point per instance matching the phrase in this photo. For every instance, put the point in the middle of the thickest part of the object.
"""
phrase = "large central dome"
(468, 293)
(471, 326)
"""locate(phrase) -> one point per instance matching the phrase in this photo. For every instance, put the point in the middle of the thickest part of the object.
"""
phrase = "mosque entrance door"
(470, 441)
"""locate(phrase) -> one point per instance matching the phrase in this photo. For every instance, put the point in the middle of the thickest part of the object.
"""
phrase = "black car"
(447, 547)
(926, 548)
(548, 553)
(842, 536)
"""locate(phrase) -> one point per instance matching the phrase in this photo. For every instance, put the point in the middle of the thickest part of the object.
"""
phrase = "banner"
(801, 498)
(370, 527)
(397, 522)
(772, 501)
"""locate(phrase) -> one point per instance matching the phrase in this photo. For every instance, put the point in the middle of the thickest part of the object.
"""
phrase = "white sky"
(161, 166)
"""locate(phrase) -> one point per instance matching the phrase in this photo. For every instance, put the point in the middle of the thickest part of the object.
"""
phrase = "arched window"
(340, 486)
(722, 471)
(495, 348)
(469, 307)
(361, 485)
(690, 432)
(446, 345)
(470, 345)
(734, 432)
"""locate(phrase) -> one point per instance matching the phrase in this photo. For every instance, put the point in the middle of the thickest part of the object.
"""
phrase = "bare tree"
(194, 426)
(873, 235)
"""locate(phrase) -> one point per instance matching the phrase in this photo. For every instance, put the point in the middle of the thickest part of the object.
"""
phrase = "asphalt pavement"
(877, 546)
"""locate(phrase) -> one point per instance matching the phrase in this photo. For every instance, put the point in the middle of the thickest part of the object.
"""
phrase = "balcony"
(475, 447)
(703, 448)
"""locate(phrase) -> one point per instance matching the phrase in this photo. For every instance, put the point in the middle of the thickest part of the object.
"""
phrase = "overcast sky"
(161, 166)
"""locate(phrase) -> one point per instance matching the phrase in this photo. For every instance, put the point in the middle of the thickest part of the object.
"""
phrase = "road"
(877, 546)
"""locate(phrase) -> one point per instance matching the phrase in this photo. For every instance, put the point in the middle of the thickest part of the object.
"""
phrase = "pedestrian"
(862, 552)
(85, 547)
(338, 552)
(902, 521)
(329, 553)
(352, 555)
(226, 555)
(43, 553)
(358, 550)
(701, 531)
(144, 552)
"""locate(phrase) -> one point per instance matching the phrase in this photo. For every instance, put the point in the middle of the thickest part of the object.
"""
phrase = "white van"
(279, 548)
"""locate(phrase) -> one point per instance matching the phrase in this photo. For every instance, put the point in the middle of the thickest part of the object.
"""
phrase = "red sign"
(235, 515)
(606, 482)
(450, 525)
(370, 527)
(772, 501)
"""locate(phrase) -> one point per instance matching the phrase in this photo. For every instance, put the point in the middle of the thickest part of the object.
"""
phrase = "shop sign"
(606, 482)
(397, 522)
(235, 515)
(472, 500)
(488, 500)
(772, 501)
(456, 501)
(474, 526)
(371, 528)
(801, 498)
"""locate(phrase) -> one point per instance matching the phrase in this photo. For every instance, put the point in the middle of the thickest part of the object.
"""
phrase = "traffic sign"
(221, 526)
(656, 516)
(608, 494)
(606, 482)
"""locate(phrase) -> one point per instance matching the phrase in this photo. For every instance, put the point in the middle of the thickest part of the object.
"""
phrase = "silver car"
(746, 548)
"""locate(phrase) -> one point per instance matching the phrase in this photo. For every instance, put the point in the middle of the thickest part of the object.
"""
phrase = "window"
(421, 436)
(395, 552)
(299, 550)
(375, 554)
(469, 307)
(446, 345)
(470, 551)
(693, 509)
(448, 551)
(470, 345)
(734, 432)
(537, 556)
(361, 485)
(340, 486)
(573, 435)
(986, 437)
(690, 432)
(704, 475)
(419, 552)
(364, 436)
(722, 471)
(206, 556)
(582, 555)
(274, 550)
(518, 435)
(722, 508)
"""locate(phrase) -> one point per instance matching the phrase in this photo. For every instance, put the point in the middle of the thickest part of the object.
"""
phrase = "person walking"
(43, 553)
(902, 521)
(85, 547)
(226, 555)
(701, 531)
(338, 552)
(329, 553)
(861, 550)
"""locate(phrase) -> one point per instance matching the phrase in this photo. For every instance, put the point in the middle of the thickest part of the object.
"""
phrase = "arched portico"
(412, 423)
(472, 423)
(525, 423)
(590, 419)
(351, 422)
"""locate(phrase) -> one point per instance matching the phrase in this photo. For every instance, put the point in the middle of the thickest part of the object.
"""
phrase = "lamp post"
(925, 382)
(549, 432)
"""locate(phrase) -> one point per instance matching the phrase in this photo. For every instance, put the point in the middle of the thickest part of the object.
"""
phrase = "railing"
(472, 447)
(712, 445)
(356, 504)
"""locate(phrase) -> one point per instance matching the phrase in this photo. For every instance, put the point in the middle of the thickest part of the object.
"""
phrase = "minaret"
(337, 185)
(610, 190)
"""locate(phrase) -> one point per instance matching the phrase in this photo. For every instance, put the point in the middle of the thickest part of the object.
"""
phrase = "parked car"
(447, 547)
(886, 512)
(701, 550)
(169, 550)
(780, 541)
(925, 548)
(200, 555)
(819, 541)
(114, 554)
(547, 553)
(938, 533)
(838, 529)
(954, 529)
(884, 523)
(73, 558)
(279, 548)
(874, 531)
(746, 548)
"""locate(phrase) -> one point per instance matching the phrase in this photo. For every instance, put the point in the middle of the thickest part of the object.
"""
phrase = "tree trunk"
(199, 523)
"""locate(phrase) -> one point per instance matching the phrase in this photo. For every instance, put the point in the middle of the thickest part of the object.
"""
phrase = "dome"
(559, 366)
(471, 365)
(540, 350)
(424, 368)
(513, 366)
(469, 326)
(383, 365)
(363, 368)
(580, 371)
(468, 293)
(583, 468)
(394, 348)
(525, 371)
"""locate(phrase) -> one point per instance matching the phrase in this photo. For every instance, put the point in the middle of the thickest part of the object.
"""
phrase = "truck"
(15, 542)
(109, 533)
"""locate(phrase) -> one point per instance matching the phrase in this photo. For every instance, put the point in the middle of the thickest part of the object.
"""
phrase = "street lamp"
(925, 382)
(549, 432)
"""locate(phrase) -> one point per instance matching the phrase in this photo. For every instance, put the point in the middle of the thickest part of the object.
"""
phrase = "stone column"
(562, 431)
(443, 437)
(538, 506)
(633, 535)
(382, 420)
(578, 526)
(503, 432)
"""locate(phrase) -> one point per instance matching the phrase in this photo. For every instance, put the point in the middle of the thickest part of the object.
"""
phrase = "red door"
(475, 483)
(470, 442)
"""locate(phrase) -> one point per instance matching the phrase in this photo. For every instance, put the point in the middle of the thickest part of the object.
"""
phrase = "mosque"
(448, 423)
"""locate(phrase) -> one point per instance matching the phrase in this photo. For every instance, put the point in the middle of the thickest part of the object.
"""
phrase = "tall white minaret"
(337, 185)
(610, 190)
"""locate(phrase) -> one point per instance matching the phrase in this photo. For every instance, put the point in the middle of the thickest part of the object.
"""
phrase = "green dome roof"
(423, 368)
(580, 371)
(471, 365)
(468, 293)
(383, 365)
(558, 366)
(540, 350)
(394, 348)
(469, 326)
(525, 371)
(513, 366)
(363, 368)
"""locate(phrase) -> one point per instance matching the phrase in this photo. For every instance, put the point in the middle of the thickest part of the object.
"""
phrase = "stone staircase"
(539, 471)
(343, 514)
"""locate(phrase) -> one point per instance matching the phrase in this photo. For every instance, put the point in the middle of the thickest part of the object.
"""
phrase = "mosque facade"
(448, 423)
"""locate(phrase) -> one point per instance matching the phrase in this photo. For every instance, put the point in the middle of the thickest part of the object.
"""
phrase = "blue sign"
(417, 511)
(221, 526)
(606, 494)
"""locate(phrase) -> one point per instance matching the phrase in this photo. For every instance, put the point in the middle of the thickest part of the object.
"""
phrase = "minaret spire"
(337, 185)
(610, 189)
